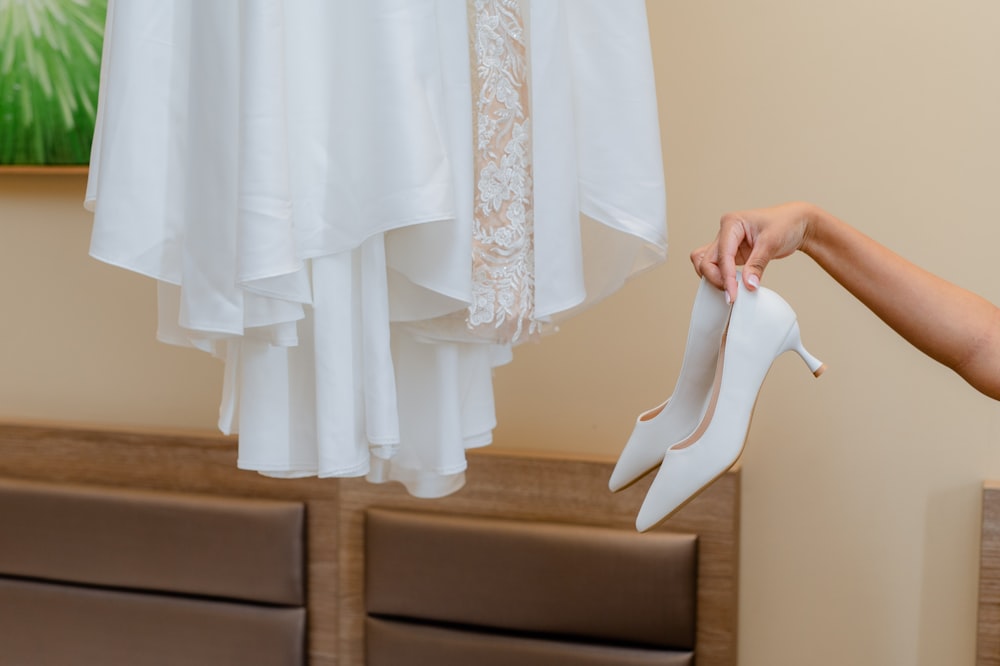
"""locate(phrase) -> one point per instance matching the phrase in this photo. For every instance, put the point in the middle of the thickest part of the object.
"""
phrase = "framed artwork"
(50, 65)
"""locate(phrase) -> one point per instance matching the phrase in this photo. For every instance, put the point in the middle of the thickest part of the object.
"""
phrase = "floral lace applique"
(503, 280)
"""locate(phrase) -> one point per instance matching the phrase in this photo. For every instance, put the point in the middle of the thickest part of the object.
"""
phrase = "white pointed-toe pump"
(761, 327)
(672, 421)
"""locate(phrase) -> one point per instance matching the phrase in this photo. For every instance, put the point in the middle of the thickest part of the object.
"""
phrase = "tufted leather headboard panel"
(243, 549)
(399, 643)
(573, 583)
(112, 576)
(168, 473)
(50, 624)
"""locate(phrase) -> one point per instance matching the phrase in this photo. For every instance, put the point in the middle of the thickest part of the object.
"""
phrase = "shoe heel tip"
(820, 370)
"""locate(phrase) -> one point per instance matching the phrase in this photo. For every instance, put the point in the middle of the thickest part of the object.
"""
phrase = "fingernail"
(754, 281)
(729, 300)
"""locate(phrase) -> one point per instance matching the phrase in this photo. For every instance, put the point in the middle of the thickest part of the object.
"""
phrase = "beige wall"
(861, 490)
(77, 335)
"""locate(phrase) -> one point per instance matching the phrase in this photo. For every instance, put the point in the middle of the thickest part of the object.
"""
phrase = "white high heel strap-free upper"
(761, 327)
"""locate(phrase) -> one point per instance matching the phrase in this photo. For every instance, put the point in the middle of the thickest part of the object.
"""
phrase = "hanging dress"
(361, 208)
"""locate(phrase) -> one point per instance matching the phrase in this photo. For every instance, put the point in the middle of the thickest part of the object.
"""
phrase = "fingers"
(705, 262)
(717, 261)
(763, 249)
(696, 256)
(731, 241)
(751, 239)
(753, 269)
(752, 275)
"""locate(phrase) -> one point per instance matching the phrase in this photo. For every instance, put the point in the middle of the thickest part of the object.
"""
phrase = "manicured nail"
(753, 280)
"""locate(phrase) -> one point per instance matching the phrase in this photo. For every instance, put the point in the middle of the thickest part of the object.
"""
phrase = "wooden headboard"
(521, 487)
(988, 642)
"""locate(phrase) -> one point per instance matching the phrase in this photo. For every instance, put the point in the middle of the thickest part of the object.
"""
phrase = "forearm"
(948, 323)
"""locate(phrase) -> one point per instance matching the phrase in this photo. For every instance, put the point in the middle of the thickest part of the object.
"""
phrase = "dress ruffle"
(299, 178)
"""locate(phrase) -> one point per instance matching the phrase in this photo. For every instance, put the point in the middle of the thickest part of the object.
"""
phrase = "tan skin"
(950, 324)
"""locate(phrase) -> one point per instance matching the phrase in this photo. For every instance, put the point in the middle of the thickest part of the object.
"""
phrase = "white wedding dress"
(361, 207)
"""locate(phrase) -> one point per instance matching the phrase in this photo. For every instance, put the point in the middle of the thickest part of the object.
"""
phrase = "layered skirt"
(361, 208)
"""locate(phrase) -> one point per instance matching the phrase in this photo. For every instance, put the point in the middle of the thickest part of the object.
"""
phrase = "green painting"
(50, 64)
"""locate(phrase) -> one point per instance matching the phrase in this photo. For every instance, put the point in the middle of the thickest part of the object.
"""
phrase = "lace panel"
(503, 305)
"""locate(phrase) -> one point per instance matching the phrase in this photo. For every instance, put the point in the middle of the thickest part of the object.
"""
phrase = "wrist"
(813, 221)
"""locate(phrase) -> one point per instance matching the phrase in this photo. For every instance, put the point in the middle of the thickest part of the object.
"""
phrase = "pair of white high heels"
(698, 433)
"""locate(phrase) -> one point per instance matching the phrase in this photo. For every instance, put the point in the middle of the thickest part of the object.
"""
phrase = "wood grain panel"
(988, 643)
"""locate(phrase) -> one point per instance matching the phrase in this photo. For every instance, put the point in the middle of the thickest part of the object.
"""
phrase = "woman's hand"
(951, 325)
(751, 239)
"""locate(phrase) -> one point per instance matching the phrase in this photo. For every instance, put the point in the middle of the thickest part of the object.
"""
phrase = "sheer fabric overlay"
(361, 208)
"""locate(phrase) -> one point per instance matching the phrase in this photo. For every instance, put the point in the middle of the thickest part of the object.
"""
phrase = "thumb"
(753, 269)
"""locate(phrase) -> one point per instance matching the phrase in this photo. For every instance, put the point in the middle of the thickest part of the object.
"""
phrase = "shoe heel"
(793, 341)
(762, 326)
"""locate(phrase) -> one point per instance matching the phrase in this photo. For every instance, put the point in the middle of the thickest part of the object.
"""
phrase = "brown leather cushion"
(44, 624)
(390, 643)
(555, 579)
(205, 545)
